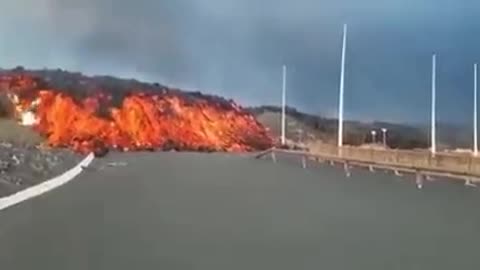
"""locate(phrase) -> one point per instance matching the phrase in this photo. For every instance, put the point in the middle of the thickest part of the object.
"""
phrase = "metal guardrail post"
(346, 167)
(417, 162)
(274, 158)
(419, 179)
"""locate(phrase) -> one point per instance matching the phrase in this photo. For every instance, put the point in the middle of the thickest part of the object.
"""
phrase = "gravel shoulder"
(25, 166)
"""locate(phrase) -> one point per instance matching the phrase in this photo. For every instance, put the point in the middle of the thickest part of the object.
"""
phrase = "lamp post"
(475, 113)
(384, 137)
(300, 136)
(374, 136)
(341, 92)
(284, 101)
(433, 142)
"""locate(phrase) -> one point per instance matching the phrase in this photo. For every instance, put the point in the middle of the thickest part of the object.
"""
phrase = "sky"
(236, 48)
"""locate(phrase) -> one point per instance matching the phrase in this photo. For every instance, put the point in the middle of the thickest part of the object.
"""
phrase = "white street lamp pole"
(374, 136)
(342, 85)
(384, 137)
(475, 112)
(433, 130)
(284, 102)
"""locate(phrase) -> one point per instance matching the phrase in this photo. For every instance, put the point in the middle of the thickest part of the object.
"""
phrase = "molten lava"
(143, 120)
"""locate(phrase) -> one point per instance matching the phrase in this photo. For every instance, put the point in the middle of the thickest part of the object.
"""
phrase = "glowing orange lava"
(144, 120)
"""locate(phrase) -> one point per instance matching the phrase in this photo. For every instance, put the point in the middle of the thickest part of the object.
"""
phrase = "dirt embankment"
(23, 163)
(25, 166)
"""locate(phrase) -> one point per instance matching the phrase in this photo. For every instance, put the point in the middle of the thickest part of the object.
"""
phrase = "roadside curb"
(46, 186)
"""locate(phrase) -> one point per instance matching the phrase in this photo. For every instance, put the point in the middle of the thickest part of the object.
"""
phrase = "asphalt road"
(201, 211)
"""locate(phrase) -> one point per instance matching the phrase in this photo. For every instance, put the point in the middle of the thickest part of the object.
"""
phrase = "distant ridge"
(402, 136)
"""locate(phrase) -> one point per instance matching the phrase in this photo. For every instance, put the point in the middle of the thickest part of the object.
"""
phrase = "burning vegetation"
(138, 120)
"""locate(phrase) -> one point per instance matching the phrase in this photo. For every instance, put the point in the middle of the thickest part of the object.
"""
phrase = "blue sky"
(236, 48)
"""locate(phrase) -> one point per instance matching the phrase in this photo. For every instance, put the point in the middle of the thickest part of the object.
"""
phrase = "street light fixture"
(384, 137)
(374, 136)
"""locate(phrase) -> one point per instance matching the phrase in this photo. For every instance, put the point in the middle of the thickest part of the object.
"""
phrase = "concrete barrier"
(46, 186)
(452, 162)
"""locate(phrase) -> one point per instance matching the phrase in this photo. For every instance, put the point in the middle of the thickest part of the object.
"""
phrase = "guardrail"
(458, 163)
(423, 165)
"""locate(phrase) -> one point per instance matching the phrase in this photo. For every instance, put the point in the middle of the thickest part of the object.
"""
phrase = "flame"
(144, 120)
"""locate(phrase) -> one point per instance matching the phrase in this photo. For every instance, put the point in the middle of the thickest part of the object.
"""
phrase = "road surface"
(218, 211)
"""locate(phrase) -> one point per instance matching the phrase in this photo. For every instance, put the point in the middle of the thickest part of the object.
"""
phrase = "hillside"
(314, 127)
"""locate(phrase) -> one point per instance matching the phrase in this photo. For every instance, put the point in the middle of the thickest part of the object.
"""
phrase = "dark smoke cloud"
(236, 48)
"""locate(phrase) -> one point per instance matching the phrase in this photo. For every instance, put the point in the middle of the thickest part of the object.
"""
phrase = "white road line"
(46, 186)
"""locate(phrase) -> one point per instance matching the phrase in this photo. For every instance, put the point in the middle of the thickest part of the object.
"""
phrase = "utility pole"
(384, 137)
(433, 127)
(475, 112)
(342, 85)
(284, 102)
(374, 136)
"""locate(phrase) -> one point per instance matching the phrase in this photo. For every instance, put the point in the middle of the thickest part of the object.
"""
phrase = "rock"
(51, 162)
(6, 145)
(170, 145)
(23, 166)
(38, 167)
(15, 159)
(4, 165)
(100, 152)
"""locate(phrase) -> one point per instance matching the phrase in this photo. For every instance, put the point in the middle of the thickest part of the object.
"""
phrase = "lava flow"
(167, 120)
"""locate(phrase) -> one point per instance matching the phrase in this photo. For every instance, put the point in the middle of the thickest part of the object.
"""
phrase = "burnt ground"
(22, 166)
